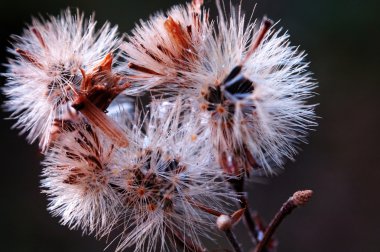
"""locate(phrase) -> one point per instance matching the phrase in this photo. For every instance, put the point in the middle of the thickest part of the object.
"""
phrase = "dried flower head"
(157, 188)
(60, 62)
(247, 82)
(254, 95)
(77, 180)
(165, 176)
(228, 97)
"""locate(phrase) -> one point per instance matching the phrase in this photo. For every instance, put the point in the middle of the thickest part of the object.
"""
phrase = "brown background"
(341, 163)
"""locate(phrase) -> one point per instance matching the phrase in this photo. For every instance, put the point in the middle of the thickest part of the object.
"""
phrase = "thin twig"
(299, 198)
(251, 224)
(232, 238)
(238, 185)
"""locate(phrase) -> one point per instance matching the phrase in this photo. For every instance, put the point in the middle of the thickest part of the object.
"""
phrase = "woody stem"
(299, 198)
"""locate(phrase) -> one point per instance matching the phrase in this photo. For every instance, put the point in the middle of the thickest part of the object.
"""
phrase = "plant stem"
(238, 185)
(251, 224)
(298, 199)
(232, 238)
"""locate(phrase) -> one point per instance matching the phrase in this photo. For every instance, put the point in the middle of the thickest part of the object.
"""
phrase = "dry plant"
(225, 99)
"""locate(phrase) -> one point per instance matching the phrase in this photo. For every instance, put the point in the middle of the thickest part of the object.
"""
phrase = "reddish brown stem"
(298, 199)
(251, 224)
(238, 185)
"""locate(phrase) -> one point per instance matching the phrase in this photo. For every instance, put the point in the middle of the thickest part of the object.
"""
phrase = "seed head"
(47, 74)
(77, 175)
(163, 176)
(245, 80)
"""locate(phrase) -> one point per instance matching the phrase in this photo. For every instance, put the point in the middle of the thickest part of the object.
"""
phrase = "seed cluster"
(144, 135)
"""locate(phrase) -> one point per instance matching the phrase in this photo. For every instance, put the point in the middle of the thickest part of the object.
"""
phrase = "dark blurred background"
(341, 162)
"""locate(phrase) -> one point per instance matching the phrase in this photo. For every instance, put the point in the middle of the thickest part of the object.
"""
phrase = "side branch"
(299, 198)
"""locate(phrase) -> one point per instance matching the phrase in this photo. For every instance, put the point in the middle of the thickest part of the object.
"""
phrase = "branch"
(238, 185)
(299, 198)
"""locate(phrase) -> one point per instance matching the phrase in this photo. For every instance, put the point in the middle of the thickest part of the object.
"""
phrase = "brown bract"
(97, 90)
(176, 49)
(177, 34)
(101, 86)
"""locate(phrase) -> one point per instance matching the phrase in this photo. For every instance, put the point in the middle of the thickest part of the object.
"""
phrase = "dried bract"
(161, 49)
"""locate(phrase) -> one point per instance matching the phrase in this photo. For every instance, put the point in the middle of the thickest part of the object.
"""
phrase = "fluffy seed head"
(164, 176)
(156, 188)
(244, 79)
(46, 73)
(254, 86)
(77, 175)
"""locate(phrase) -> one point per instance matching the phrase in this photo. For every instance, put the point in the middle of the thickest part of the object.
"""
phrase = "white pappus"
(253, 86)
(245, 79)
(160, 49)
(161, 192)
(76, 178)
(167, 177)
(54, 62)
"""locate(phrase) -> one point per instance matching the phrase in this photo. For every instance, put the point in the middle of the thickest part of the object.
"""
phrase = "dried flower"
(227, 98)
(254, 86)
(77, 180)
(156, 187)
(164, 177)
(245, 80)
(46, 77)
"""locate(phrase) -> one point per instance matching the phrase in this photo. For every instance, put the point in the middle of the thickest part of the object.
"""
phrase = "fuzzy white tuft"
(156, 189)
(77, 177)
(244, 79)
(45, 72)
(164, 176)
(260, 114)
